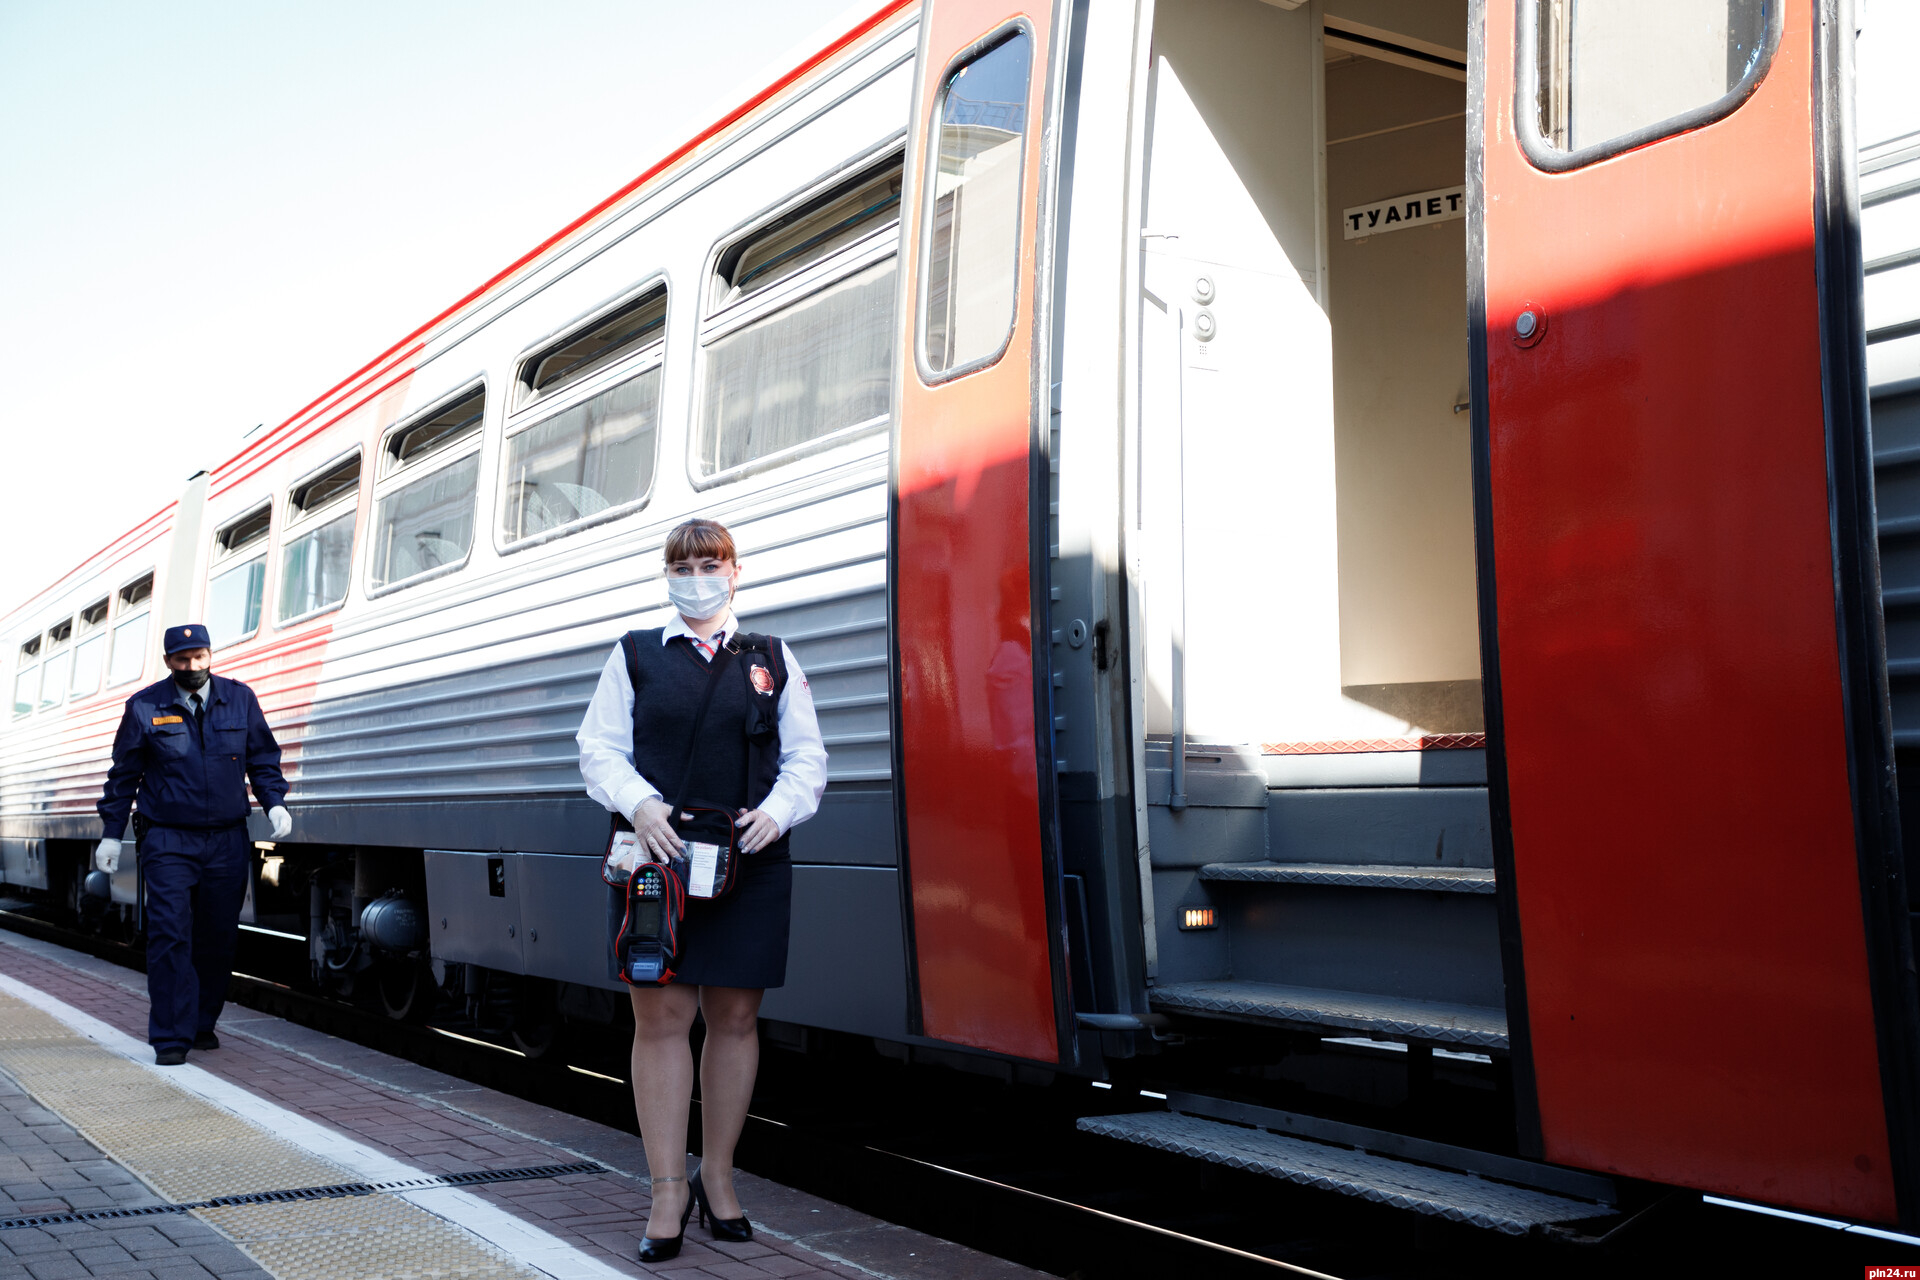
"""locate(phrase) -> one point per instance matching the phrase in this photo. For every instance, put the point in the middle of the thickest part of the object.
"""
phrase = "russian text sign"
(1401, 212)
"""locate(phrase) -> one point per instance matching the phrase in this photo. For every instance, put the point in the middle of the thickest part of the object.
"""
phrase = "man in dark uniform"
(187, 747)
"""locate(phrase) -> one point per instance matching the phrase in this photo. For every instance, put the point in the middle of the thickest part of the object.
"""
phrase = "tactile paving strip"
(361, 1236)
(186, 1148)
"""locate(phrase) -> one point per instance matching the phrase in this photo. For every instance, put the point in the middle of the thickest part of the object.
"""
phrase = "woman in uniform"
(633, 748)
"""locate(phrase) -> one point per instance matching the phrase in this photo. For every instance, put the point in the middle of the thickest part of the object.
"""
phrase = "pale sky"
(210, 211)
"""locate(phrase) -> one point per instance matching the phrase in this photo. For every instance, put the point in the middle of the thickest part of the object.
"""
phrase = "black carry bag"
(654, 900)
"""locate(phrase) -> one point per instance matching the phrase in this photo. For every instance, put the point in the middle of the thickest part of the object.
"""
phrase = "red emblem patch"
(762, 678)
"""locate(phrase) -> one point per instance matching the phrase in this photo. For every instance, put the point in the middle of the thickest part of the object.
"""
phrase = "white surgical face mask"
(699, 596)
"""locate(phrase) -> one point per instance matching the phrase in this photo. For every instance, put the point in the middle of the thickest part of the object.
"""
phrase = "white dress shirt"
(606, 737)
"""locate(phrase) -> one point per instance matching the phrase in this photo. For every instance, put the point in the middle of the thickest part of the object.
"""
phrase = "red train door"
(1707, 958)
(968, 580)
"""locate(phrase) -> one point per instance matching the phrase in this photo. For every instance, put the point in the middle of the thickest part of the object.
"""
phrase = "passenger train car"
(1341, 529)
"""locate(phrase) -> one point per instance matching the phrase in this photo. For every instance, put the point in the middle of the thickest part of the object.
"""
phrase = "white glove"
(626, 853)
(107, 856)
(282, 821)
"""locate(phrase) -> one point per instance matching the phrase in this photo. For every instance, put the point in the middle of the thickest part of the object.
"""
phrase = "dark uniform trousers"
(195, 882)
(190, 775)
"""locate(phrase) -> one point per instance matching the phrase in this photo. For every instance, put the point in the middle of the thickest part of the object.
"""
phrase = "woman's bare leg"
(662, 1091)
(728, 1065)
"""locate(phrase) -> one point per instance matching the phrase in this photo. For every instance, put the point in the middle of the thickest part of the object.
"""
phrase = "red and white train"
(1341, 526)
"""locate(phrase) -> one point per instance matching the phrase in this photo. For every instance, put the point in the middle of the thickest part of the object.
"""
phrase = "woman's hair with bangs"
(699, 539)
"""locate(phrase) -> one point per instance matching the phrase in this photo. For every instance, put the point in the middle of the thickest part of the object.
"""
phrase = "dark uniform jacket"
(187, 775)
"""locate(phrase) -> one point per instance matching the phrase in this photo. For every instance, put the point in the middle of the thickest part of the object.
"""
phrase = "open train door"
(975, 781)
(1707, 956)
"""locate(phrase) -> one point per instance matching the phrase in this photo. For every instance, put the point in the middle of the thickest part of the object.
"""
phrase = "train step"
(1452, 1194)
(1384, 1017)
(1441, 879)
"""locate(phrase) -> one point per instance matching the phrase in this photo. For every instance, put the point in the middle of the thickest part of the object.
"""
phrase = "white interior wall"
(1398, 304)
(1238, 520)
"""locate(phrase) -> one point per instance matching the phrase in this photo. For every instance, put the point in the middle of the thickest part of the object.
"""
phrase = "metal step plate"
(1442, 879)
(1440, 1193)
(1319, 1009)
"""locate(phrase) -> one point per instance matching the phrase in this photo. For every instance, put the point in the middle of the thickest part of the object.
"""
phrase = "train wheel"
(405, 988)
(537, 1024)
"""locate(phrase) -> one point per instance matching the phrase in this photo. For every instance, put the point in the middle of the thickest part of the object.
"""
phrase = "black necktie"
(197, 709)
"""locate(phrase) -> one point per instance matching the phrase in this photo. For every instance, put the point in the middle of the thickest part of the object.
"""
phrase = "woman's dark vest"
(737, 760)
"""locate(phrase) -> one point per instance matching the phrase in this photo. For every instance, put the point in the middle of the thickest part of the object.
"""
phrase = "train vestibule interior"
(1307, 611)
(1317, 404)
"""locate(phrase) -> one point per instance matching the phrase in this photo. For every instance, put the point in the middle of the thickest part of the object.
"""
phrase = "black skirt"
(736, 941)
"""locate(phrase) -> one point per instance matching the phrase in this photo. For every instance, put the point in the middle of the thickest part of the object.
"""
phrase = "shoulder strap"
(721, 659)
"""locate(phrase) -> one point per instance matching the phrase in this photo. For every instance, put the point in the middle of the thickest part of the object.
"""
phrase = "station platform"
(294, 1154)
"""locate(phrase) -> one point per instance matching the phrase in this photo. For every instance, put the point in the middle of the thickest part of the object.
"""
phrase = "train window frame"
(526, 365)
(394, 463)
(396, 474)
(28, 658)
(725, 317)
(297, 522)
(227, 559)
(58, 644)
(1545, 156)
(1018, 28)
(141, 608)
(570, 393)
(90, 628)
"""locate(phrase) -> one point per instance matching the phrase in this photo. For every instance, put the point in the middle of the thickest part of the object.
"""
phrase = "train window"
(129, 657)
(591, 459)
(236, 591)
(791, 365)
(626, 331)
(1611, 74)
(26, 678)
(439, 430)
(90, 650)
(423, 520)
(326, 489)
(816, 230)
(53, 668)
(316, 559)
(973, 230)
(425, 526)
(246, 531)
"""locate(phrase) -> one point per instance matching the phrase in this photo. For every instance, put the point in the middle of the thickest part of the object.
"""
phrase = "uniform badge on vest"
(761, 677)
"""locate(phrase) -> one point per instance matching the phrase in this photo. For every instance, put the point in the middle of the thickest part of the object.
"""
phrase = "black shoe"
(734, 1229)
(169, 1057)
(652, 1250)
(206, 1040)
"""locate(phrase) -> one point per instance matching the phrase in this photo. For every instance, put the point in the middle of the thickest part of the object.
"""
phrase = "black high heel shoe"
(734, 1229)
(652, 1250)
